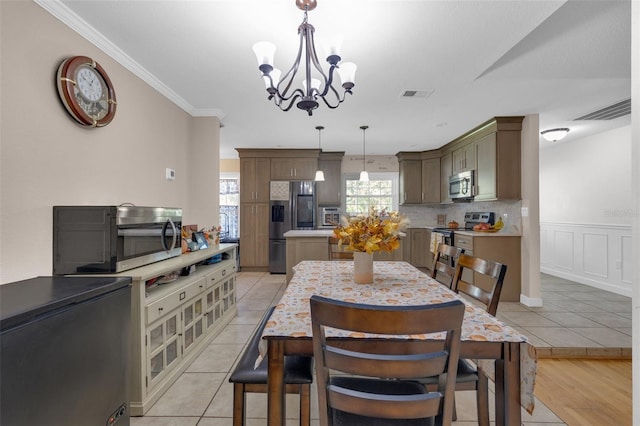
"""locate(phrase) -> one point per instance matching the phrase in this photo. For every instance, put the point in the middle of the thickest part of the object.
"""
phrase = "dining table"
(501, 351)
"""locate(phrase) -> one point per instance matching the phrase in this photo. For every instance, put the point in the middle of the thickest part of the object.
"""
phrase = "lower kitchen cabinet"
(504, 249)
(172, 323)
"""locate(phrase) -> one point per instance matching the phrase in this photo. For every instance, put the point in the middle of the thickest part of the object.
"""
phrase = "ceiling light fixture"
(364, 176)
(319, 173)
(305, 98)
(554, 135)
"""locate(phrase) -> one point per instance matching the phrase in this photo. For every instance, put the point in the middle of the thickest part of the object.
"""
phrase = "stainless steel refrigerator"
(65, 351)
(293, 206)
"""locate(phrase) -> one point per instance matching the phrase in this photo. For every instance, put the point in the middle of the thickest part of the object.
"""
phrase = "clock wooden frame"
(67, 90)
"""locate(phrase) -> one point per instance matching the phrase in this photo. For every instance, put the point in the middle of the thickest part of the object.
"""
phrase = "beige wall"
(46, 159)
(230, 165)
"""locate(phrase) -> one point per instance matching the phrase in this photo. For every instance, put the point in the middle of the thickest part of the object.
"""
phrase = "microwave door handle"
(164, 235)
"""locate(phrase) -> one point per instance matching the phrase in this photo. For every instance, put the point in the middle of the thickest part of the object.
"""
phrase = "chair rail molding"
(598, 255)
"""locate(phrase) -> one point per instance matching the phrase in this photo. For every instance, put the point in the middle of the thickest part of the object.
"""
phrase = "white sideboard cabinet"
(172, 323)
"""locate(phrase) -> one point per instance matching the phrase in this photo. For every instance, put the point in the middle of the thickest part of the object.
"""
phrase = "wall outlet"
(170, 174)
(524, 211)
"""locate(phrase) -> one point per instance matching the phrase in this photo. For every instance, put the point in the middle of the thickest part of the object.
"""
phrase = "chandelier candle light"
(305, 98)
(365, 235)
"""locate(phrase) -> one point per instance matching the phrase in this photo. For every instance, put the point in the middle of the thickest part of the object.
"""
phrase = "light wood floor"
(586, 392)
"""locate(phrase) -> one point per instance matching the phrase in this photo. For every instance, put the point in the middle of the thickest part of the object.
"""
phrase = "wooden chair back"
(494, 270)
(369, 359)
(444, 269)
(336, 252)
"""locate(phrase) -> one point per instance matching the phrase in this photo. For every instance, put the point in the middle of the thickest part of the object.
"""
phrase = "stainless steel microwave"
(461, 185)
(107, 239)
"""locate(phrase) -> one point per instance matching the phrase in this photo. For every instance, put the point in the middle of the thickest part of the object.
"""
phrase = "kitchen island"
(314, 245)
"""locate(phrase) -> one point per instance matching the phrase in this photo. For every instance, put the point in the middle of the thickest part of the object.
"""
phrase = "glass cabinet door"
(193, 323)
(162, 346)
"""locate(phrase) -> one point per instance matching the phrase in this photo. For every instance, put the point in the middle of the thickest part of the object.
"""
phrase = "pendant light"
(319, 173)
(364, 176)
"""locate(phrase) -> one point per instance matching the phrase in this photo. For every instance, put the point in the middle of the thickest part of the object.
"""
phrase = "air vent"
(421, 93)
(616, 110)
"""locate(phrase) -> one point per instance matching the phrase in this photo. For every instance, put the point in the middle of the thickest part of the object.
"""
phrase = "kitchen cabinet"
(498, 165)
(293, 168)
(328, 192)
(419, 241)
(431, 180)
(255, 174)
(499, 248)
(254, 236)
(170, 323)
(464, 158)
(446, 170)
(410, 182)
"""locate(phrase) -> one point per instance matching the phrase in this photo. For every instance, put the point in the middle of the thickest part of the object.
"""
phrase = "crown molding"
(80, 26)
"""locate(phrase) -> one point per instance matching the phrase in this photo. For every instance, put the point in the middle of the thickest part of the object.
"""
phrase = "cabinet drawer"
(160, 307)
(463, 241)
(222, 272)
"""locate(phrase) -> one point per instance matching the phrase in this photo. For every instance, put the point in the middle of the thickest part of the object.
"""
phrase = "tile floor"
(575, 319)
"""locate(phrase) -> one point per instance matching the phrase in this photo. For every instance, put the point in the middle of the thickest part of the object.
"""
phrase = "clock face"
(86, 91)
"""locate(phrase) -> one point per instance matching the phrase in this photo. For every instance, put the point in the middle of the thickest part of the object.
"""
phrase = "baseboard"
(532, 302)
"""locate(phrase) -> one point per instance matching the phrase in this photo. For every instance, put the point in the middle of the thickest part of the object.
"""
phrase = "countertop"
(309, 233)
(502, 233)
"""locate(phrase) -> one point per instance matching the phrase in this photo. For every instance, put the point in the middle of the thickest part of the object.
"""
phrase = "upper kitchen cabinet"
(498, 160)
(328, 192)
(446, 170)
(410, 165)
(464, 158)
(419, 177)
(254, 180)
(301, 168)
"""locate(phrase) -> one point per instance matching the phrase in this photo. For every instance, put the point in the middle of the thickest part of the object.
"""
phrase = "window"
(229, 206)
(377, 192)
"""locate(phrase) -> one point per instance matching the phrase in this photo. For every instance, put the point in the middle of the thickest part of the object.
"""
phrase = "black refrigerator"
(64, 351)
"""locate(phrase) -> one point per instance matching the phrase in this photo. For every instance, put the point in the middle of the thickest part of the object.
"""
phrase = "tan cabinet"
(446, 171)
(293, 168)
(503, 249)
(328, 192)
(255, 174)
(431, 180)
(464, 158)
(498, 166)
(486, 172)
(254, 235)
(419, 239)
(410, 182)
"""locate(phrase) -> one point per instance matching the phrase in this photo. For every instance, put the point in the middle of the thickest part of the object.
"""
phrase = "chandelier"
(315, 83)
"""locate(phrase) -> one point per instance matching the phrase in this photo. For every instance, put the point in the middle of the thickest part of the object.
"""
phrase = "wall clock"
(86, 91)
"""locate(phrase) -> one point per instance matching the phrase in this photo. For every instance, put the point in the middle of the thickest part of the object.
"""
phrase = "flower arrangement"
(374, 232)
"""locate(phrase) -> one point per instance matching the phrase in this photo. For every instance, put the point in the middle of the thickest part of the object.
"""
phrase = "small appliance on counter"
(107, 239)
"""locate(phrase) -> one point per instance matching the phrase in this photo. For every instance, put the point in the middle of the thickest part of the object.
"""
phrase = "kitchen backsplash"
(428, 215)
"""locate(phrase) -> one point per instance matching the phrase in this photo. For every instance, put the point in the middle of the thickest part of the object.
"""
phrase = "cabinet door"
(464, 158)
(486, 168)
(304, 168)
(410, 182)
(281, 169)
(255, 174)
(193, 323)
(328, 192)
(254, 234)
(431, 181)
(163, 351)
(420, 248)
(446, 171)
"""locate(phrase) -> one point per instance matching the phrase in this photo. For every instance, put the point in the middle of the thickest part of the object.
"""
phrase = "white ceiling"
(481, 58)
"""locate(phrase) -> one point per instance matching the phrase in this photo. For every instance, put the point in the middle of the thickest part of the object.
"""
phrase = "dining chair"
(336, 252)
(298, 376)
(443, 269)
(470, 377)
(368, 383)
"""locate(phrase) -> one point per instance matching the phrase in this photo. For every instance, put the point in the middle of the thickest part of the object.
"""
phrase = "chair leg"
(305, 405)
(454, 415)
(238, 404)
(482, 399)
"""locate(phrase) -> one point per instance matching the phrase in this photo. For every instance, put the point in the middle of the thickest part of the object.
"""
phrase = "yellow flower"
(375, 232)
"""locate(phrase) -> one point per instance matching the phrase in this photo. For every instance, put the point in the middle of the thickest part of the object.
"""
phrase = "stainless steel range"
(470, 220)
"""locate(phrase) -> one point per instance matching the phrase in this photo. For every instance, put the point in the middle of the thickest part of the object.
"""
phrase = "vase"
(362, 267)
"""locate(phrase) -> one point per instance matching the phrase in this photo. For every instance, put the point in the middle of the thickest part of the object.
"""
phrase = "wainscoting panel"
(596, 255)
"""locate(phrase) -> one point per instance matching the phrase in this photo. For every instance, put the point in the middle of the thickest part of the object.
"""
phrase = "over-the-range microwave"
(461, 185)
